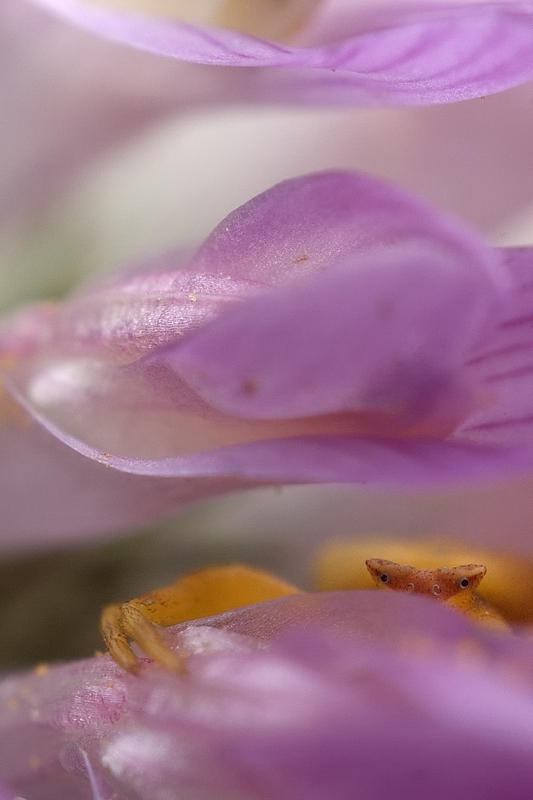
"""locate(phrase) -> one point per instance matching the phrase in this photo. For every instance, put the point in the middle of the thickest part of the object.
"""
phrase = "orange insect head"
(442, 583)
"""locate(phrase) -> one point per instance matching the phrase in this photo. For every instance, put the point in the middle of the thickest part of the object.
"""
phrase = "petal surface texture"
(293, 698)
(329, 330)
(429, 54)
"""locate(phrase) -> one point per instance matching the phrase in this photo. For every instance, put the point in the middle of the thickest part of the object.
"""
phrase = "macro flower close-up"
(332, 329)
(266, 342)
(374, 53)
(383, 708)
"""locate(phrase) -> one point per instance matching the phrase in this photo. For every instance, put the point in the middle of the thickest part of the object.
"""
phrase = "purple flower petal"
(5, 793)
(385, 679)
(52, 493)
(369, 331)
(89, 492)
(400, 282)
(352, 398)
(428, 56)
(503, 366)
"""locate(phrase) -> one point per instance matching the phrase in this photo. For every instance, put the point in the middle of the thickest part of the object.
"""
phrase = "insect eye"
(465, 583)
(384, 578)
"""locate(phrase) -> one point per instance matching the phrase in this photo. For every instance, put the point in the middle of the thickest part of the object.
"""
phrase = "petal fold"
(405, 57)
(326, 331)
(390, 286)
(294, 698)
(503, 365)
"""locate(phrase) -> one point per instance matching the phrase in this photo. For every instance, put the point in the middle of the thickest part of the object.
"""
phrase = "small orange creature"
(507, 587)
(455, 587)
(222, 588)
(200, 594)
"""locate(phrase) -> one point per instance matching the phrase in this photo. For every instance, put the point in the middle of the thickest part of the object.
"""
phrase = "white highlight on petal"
(134, 751)
(204, 639)
(61, 382)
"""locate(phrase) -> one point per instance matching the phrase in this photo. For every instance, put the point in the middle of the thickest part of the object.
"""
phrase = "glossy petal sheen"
(324, 332)
(301, 697)
(428, 56)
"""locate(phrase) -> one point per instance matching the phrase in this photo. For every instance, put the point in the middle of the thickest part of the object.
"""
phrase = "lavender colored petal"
(85, 699)
(358, 617)
(68, 96)
(503, 366)
(6, 793)
(89, 493)
(390, 756)
(426, 56)
(304, 225)
(98, 374)
(371, 333)
(285, 699)
(399, 297)
(327, 743)
(119, 320)
(51, 495)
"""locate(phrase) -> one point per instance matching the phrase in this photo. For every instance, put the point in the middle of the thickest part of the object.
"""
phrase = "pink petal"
(89, 492)
(101, 376)
(394, 282)
(313, 710)
(427, 56)
(503, 366)
(68, 96)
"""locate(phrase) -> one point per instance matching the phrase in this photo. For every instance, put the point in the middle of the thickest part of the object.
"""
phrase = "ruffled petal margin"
(431, 55)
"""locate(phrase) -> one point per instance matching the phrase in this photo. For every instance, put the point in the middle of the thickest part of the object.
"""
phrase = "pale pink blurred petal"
(407, 57)
(68, 96)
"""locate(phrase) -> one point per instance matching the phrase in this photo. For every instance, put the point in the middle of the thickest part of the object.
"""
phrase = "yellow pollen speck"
(34, 762)
(42, 669)
(193, 297)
